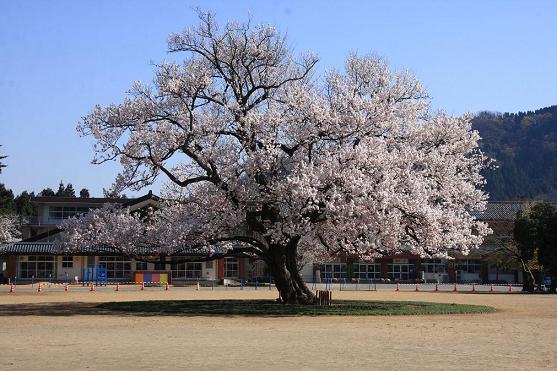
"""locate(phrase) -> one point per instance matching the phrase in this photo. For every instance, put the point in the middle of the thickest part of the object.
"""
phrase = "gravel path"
(37, 334)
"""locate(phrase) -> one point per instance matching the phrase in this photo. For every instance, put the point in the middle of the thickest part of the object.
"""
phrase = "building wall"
(210, 270)
(508, 277)
(63, 273)
(307, 273)
(214, 270)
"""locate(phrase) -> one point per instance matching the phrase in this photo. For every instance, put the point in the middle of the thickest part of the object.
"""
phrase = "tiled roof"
(499, 211)
(80, 200)
(148, 196)
(21, 248)
(502, 210)
(48, 248)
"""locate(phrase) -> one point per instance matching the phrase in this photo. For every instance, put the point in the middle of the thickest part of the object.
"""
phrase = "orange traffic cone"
(166, 287)
(417, 288)
(397, 287)
(12, 288)
(142, 286)
(92, 288)
(39, 289)
(491, 288)
(117, 286)
(510, 288)
(436, 287)
(197, 285)
(473, 287)
(454, 289)
(66, 289)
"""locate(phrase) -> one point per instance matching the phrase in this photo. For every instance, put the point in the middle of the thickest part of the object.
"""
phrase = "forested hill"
(525, 147)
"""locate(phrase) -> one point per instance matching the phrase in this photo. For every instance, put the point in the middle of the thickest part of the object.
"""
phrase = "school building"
(35, 258)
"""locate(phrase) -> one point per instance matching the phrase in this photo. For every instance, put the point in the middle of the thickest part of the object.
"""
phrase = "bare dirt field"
(56, 330)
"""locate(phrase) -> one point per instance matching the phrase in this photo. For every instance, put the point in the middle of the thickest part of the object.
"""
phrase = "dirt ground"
(36, 333)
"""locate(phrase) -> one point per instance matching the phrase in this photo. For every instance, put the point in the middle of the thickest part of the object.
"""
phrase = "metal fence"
(416, 287)
(213, 285)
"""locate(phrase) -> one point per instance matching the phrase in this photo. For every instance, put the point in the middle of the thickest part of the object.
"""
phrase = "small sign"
(400, 261)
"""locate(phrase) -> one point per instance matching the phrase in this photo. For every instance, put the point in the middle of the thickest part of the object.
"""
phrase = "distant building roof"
(502, 210)
(134, 201)
(48, 248)
(43, 236)
(81, 200)
(495, 210)
(126, 202)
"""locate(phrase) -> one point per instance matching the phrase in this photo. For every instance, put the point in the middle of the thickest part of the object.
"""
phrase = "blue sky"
(60, 58)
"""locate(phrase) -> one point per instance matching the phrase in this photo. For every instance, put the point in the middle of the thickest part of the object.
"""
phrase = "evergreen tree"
(67, 191)
(61, 190)
(524, 251)
(1, 163)
(544, 216)
(524, 146)
(47, 192)
(23, 204)
(84, 193)
(7, 205)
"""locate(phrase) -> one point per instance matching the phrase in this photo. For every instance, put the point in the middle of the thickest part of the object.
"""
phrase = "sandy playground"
(55, 330)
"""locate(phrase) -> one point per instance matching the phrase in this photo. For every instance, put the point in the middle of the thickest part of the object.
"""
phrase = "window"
(186, 270)
(61, 213)
(67, 262)
(209, 264)
(159, 266)
(231, 269)
(333, 270)
(259, 269)
(434, 265)
(501, 269)
(468, 266)
(38, 266)
(367, 271)
(140, 266)
(117, 267)
(402, 271)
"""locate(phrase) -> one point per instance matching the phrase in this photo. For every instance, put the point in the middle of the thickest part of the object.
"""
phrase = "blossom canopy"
(259, 150)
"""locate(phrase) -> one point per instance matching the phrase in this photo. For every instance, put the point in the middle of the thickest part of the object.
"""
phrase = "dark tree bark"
(281, 260)
(529, 281)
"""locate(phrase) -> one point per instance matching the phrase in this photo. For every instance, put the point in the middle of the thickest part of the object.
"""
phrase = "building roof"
(135, 201)
(126, 202)
(48, 248)
(25, 248)
(503, 210)
(44, 235)
(80, 200)
(499, 210)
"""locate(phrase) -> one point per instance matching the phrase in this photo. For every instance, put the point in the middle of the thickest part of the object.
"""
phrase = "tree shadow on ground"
(51, 309)
(237, 308)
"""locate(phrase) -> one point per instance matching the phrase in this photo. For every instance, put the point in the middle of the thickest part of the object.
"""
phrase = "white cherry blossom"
(260, 151)
(9, 228)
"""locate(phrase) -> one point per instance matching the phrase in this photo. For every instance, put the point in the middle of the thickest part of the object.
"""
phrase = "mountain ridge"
(524, 145)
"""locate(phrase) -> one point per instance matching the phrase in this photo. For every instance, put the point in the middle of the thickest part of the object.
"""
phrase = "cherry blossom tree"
(262, 152)
(9, 231)
(1, 164)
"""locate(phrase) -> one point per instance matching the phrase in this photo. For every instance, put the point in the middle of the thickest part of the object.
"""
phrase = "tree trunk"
(528, 284)
(529, 281)
(281, 261)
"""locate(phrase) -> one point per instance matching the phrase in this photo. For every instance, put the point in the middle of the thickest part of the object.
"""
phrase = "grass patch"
(272, 308)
